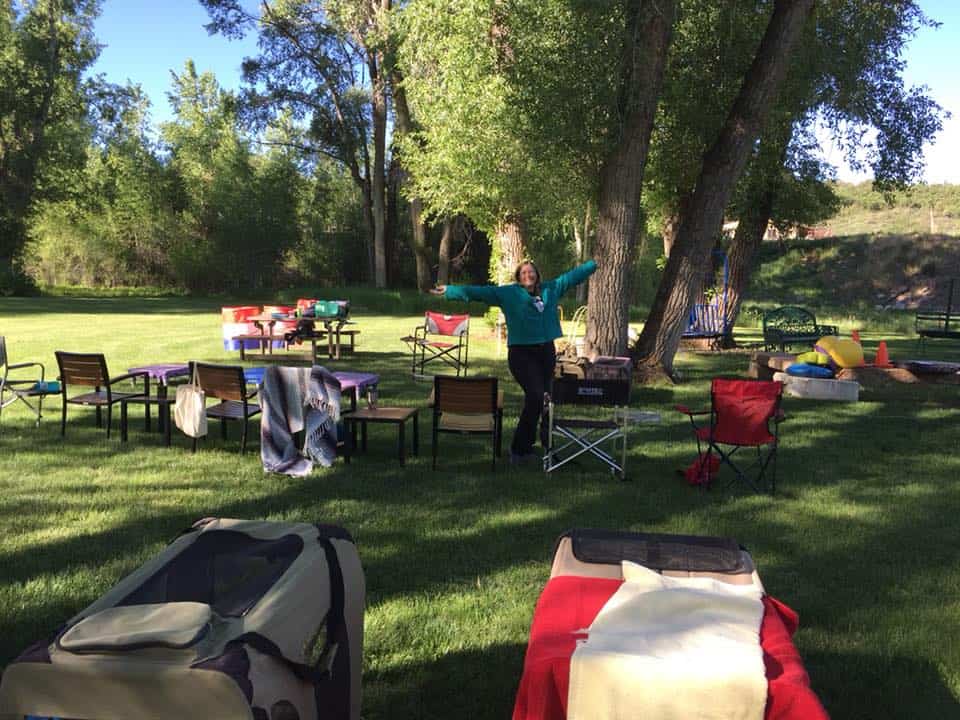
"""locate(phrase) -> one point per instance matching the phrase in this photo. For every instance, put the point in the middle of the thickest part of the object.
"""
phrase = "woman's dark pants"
(532, 367)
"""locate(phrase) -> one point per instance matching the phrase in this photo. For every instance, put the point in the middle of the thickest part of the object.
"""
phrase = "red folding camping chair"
(451, 351)
(743, 414)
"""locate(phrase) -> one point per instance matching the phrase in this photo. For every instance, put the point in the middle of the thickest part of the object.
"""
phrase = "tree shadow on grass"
(892, 687)
(425, 536)
(461, 684)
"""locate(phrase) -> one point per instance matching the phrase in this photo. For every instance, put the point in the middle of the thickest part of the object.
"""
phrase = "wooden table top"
(381, 414)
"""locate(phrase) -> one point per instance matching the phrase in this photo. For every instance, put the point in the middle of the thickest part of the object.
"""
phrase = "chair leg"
(194, 445)
(109, 415)
(63, 418)
(146, 413)
(123, 422)
(243, 436)
(223, 428)
(99, 417)
(435, 442)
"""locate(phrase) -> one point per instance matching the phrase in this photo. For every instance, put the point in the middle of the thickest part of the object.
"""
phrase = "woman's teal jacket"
(526, 325)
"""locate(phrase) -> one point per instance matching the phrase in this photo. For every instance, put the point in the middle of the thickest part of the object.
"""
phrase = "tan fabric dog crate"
(234, 619)
(600, 553)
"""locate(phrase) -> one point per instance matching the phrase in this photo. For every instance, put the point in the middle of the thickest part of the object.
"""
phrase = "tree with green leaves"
(45, 47)
(720, 170)
(323, 63)
(848, 77)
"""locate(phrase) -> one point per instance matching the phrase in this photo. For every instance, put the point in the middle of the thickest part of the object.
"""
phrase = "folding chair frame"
(762, 462)
(609, 430)
(20, 389)
(455, 357)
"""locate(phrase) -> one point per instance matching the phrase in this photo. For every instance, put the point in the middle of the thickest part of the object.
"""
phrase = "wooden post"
(946, 322)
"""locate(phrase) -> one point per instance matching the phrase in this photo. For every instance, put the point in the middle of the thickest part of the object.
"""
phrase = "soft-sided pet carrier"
(587, 574)
(234, 619)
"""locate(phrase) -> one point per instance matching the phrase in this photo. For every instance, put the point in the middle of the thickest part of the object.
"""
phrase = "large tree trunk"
(670, 228)
(722, 165)
(582, 242)
(451, 227)
(404, 124)
(511, 244)
(671, 225)
(647, 37)
(378, 174)
(392, 232)
(763, 183)
(743, 248)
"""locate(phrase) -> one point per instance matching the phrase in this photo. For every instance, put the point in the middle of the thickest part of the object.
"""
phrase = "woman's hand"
(439, 290)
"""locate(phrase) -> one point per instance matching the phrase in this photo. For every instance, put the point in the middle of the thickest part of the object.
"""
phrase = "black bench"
(791, 325)
(938, 323)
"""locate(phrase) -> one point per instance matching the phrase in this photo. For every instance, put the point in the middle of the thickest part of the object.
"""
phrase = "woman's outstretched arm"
(480, 293)
(574, 277)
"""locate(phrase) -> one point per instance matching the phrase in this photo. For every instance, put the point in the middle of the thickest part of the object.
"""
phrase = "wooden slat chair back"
(90, 370)
(465, 395)
(84, 369)
(466, 398)
(223, 382)
(227, 384)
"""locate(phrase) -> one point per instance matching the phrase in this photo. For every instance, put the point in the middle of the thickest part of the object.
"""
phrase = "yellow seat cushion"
(466, 423)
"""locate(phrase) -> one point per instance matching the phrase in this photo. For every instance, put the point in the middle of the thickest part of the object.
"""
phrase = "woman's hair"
(516, 273)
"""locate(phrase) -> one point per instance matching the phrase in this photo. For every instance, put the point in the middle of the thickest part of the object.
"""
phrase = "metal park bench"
(791, 325)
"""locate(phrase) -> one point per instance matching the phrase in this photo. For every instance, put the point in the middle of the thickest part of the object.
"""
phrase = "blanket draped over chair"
(295, 399)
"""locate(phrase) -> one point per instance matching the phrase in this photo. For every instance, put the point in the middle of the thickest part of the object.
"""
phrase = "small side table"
(163, 404)
(385, 415)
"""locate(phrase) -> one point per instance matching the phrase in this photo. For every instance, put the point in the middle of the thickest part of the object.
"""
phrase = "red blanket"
(568, 604)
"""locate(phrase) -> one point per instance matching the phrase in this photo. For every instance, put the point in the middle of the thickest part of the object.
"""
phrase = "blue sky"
(145, 40)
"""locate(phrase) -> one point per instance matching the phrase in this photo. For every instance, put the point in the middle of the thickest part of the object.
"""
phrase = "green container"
(332, 309)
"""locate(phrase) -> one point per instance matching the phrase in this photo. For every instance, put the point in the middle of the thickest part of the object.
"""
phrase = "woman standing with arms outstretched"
(533, 323)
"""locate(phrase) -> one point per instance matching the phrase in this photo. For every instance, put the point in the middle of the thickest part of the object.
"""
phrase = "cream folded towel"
(666, 648)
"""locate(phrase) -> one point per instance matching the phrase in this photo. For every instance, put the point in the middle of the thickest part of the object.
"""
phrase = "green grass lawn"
(862, 541)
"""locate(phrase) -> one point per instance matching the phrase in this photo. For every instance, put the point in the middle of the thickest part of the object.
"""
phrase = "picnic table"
(333, 331)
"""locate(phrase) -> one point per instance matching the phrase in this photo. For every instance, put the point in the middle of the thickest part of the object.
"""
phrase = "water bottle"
(372, 397)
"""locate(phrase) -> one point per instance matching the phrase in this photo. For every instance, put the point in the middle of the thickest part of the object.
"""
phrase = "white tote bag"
(189, 411)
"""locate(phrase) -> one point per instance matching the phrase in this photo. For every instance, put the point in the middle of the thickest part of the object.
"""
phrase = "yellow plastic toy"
(813, 358)
(843, 352)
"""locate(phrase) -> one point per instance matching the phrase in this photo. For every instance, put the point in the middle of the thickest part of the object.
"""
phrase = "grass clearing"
(862, 540)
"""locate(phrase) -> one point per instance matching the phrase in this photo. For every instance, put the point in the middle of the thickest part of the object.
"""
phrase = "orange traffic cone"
(855, 336)
(882, 360)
